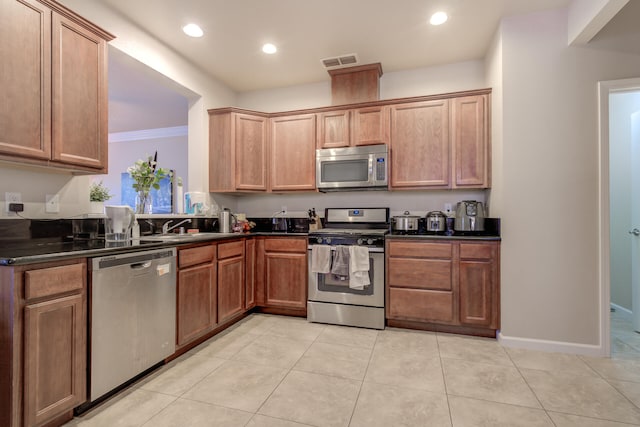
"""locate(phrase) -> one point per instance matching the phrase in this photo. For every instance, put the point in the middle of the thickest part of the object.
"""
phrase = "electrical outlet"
(11, 198)
(447, 208)
(52, 203)
(284, 210)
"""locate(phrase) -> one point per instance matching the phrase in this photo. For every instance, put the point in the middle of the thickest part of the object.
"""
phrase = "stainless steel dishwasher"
(133, 316)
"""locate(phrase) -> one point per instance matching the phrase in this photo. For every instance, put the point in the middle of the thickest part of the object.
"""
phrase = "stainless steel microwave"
(352, 168)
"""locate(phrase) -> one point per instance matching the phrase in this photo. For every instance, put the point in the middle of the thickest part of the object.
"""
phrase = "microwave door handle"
(371, 177)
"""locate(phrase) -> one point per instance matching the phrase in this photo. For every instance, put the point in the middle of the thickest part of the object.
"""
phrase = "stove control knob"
(360, 241)
(370, 241)
(319, 239)
(327, 240)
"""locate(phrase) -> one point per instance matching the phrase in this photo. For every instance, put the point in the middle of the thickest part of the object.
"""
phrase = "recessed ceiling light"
(438, 18)
(269, 48)
(193, 30)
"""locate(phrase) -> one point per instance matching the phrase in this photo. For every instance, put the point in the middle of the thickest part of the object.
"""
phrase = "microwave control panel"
(381, 169)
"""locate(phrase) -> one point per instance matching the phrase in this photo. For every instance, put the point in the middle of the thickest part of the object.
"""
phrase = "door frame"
(605, 88)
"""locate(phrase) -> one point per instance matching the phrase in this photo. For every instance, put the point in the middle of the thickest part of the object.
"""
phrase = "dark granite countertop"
(442, 237)
(31, 251)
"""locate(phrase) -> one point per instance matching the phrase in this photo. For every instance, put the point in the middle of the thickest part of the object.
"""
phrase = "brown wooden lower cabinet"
(197, 293)
(444, 285)
(250, 274)
(282, 273)
(231, 286)
(43, 342)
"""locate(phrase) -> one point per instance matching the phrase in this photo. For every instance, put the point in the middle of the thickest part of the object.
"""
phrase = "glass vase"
(143, 203)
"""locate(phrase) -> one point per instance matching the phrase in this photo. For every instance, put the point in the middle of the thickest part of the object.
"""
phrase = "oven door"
(325, 288)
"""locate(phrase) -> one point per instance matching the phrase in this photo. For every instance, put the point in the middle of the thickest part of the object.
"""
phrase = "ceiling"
(307, 31)
(395, 33)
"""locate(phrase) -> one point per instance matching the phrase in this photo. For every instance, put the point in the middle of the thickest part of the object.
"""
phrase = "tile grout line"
(515, 365)
(444, 381)
(355, 404)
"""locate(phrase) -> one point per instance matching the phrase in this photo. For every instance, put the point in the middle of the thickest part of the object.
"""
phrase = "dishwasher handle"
(140, 265)
(137, 260)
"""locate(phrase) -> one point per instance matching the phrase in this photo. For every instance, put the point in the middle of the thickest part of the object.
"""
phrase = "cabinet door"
(286, 280)
(230, 288)
(420, 145)
(370, 126)
(80, 98)
(197, 304)
(55, 358)
(250, 274)
(25, 80)
(333, 129)
(470, 141)
(293, 156)
(250, 152)
(479, 285)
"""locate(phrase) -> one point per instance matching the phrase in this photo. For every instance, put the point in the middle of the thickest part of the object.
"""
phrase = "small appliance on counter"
(225, 223)
(470, 216)
(406, 223)
(435, 221)
(117, 225)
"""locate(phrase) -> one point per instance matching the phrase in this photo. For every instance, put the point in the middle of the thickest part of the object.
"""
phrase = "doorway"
(619, 101)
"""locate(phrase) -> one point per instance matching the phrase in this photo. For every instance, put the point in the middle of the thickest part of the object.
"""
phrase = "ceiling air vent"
(340, 61)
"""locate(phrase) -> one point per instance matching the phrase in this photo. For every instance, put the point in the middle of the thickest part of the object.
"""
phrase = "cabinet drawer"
(55, 280)
(420, 273)
(198, 255)
(417, 304)
(477, 251)
(230, 249)
(420, 249)
(285, 245)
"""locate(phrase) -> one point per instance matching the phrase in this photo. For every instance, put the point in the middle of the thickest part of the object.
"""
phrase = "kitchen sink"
(181, 237)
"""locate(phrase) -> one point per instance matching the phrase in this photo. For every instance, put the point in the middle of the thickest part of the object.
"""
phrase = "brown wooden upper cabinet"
(293, 156)
(441, 143)
(359, 126)
(470, 142)
(420, 145)
(237, 151)
(54, 87)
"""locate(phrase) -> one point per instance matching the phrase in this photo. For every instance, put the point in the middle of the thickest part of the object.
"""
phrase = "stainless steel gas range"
(332, 296)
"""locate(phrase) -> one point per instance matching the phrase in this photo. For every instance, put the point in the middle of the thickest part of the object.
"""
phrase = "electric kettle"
(117, 225)
(469, 216)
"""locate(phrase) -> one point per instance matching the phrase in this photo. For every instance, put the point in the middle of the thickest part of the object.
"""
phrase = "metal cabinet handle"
(635, 232)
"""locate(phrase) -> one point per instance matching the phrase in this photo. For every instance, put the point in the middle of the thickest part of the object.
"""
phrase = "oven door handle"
(372, 250)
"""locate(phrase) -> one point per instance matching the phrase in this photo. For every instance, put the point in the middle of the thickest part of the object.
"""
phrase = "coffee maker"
(469, 216)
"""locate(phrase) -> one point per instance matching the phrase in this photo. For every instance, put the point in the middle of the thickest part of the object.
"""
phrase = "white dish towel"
(320, 258)
(358, 267)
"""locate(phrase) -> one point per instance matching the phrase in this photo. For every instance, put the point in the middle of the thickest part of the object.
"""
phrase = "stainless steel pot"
(436, 221)
(405, 222)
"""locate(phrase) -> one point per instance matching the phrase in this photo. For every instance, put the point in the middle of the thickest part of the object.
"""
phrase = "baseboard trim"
(621, 308)
(552, 346)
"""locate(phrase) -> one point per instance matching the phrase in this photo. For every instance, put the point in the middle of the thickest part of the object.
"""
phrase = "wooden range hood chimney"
(355, 84)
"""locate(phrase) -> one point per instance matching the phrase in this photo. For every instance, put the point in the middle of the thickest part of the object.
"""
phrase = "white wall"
(550, 183)
(621, 108)
(493, 72)
(455, 77)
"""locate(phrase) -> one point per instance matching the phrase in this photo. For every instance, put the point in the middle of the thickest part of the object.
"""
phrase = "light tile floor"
(272, 371)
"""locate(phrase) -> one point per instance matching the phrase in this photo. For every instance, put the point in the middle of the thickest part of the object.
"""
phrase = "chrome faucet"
(166, 229)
